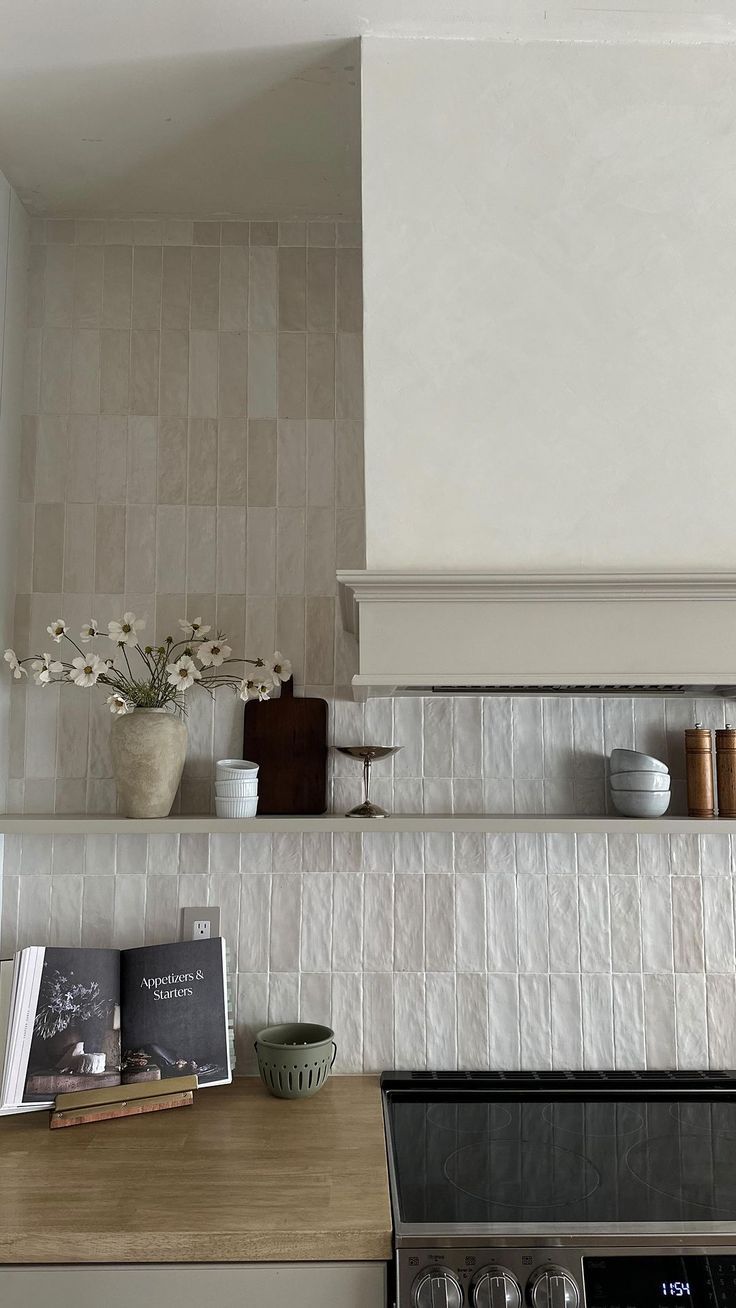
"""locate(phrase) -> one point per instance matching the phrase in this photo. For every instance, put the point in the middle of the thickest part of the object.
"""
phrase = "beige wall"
(548, 242)
(192, 442)
(13, 279)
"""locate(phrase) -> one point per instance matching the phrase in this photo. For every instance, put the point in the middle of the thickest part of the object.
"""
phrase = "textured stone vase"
(149, 747)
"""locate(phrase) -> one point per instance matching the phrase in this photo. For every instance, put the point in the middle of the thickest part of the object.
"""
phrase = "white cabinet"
(242, 1285)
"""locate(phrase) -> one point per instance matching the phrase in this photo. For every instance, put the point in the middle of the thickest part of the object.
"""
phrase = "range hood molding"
(562, 632)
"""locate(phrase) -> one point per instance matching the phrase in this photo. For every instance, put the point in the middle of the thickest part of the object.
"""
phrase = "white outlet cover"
(191, 918)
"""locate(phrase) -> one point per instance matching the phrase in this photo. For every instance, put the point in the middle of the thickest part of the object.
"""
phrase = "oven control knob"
(494, 1287)
(437, 1288)
(553, 1287)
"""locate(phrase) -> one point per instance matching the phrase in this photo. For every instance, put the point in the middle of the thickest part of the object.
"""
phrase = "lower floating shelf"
(63, 824)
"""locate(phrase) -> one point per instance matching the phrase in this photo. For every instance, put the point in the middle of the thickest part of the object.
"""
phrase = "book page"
(174, 1012)
(6, 997)
(76, 1029)
(25, 984)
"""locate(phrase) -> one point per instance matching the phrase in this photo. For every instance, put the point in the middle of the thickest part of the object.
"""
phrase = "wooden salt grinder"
(699, 771)
(726, 770)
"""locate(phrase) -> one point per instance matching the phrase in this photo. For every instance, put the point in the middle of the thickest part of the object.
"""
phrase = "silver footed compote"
(369, 754)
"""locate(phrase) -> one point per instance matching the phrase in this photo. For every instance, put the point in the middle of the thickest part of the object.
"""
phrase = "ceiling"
(249, 108)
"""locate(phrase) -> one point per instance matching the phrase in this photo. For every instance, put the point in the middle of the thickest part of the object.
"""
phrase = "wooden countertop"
(239, 1177)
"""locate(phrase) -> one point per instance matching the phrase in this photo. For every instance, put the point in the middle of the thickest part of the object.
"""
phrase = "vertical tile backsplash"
(193, 441)
(423, 951)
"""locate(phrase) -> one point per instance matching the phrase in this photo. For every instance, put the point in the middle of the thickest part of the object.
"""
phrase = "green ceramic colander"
(294, 1060)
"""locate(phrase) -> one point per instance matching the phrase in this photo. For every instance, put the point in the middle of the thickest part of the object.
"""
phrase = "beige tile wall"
(192, 443)
(14, 233)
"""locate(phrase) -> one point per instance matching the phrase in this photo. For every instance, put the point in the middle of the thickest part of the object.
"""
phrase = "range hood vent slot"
(544, 689)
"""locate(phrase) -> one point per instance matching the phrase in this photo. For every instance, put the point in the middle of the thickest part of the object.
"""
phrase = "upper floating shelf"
(29, 824)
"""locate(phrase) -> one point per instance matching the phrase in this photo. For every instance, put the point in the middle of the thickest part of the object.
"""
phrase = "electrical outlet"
(200, 923)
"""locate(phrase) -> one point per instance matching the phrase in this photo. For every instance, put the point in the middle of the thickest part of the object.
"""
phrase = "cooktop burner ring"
(679, 1188)
(546, 1162)
(689, 1118)
(447, 1117)
(578, 1120)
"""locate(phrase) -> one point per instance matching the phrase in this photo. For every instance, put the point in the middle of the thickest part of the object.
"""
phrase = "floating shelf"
(62, 824)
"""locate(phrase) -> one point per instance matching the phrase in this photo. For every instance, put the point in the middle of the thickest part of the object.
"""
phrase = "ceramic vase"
(149, 747)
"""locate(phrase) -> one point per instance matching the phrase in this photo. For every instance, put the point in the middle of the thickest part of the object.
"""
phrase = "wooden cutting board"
(287, 737)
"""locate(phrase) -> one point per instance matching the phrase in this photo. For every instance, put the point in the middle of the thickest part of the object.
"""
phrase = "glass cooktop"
(563, 1158)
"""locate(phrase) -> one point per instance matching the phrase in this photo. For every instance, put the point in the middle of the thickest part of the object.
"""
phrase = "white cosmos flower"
(193, 628)
(89, 631)
(13, 662)
(117, 704)
(255, 688)
(213, 653)
(57, 629)
(126, 632)
(280, 669)
(183, 673)
(88, 670)
(44, 668)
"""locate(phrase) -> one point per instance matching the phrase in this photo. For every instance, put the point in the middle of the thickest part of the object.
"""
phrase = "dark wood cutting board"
(287, 737)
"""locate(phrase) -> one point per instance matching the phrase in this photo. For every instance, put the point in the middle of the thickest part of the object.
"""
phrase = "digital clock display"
(693, 1281)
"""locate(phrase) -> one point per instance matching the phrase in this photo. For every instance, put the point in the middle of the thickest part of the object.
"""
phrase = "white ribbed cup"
(235, 769)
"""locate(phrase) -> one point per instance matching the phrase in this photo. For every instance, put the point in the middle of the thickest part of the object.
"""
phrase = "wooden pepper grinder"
(726, 761)
(699, 771)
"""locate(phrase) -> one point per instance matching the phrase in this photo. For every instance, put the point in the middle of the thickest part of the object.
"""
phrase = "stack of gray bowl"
(640, 784)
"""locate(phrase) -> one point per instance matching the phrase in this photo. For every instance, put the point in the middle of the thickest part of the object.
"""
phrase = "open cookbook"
(82, 1019)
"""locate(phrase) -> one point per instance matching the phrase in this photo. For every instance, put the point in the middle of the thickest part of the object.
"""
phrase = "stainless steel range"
(563, 1190)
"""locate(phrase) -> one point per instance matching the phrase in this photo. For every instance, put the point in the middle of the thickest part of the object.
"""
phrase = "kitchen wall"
(433, 949)
(13, 278)
(426, 950)
(192, 444)
(548, 268)
(192, 441)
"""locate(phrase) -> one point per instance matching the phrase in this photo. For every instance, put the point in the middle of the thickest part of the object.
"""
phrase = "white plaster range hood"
(549, 321)
(445, 633)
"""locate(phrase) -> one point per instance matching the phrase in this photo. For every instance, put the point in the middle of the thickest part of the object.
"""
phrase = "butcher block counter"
(239, 1177)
